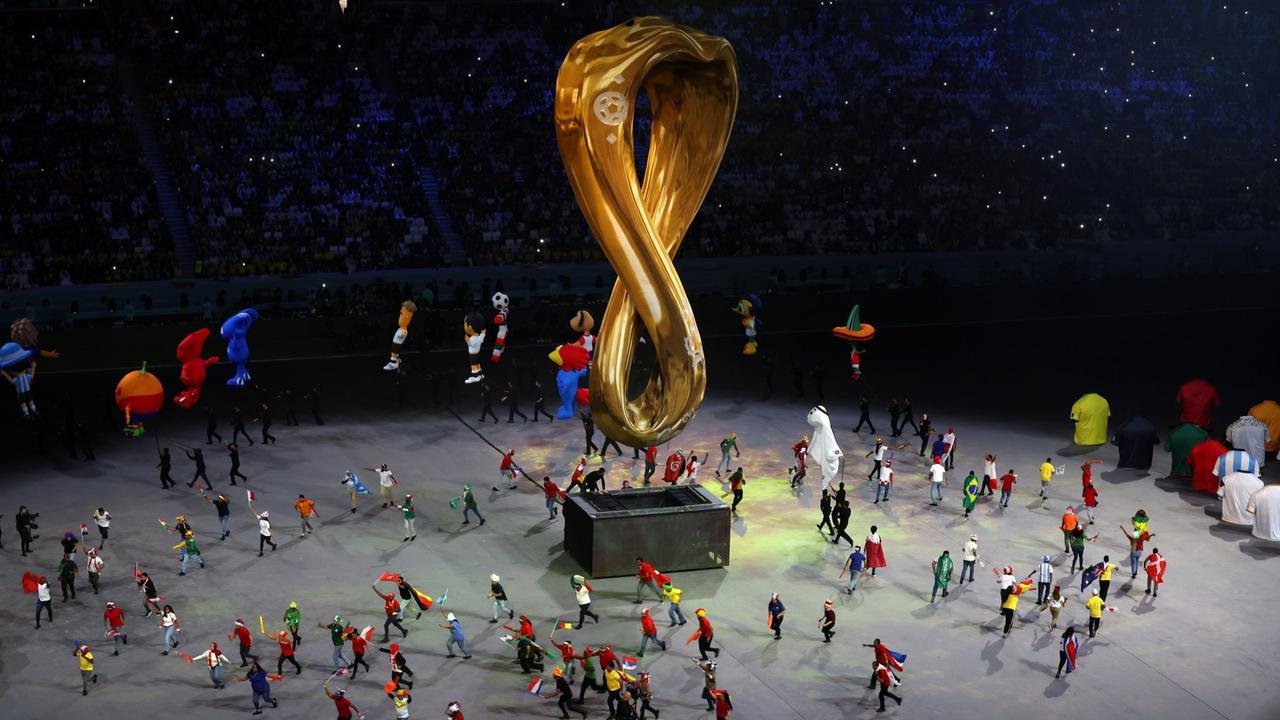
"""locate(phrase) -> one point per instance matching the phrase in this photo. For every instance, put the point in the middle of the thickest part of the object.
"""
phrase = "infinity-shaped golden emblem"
(691, 81)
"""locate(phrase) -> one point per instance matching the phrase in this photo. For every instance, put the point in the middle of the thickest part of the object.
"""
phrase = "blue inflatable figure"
(572, 360)
(235, 331)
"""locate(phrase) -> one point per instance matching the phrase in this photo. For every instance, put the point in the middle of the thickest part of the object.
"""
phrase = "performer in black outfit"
(604, 447)
(25, 521)
(895, 413)
(235, 463)
(198, 459)
(908, 416)
(825, 504)
(864, 408)
(210, 425)
(314, 396)
(165, 465)
(842, 523)
(264, 415)
(237, 419)
(486, 403)
(290, 407)
(538, 403)
(512, 398)
(925, 431)
(589, 427)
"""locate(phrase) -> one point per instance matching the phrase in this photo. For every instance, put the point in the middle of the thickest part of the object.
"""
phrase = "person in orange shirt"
(1069, 522)
(306, 508)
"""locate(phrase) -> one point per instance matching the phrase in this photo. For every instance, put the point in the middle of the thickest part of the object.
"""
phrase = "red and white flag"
(252, 497)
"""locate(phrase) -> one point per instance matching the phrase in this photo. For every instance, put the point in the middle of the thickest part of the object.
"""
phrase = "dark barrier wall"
(675, 528)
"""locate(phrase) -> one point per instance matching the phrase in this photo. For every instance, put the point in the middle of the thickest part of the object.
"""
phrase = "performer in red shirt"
(551, 492)
(649, 632)
(113, 621)
(359, 644)
(704, 635)
(650, 462)
(245, 638)
(391, 607)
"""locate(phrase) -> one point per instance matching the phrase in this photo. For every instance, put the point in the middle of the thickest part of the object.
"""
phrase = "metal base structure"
(680, 527)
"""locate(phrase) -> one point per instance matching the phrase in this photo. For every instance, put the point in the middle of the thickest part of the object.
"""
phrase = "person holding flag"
(189, 550)
(338, 635)
(564, 688)
(1009, 605)
(456, 636)
(777, 611)
(885, 657)
(214, 658)
(1095, 605)
(399, 666)
(675, 467)
(942, 568)
(169, 623)
(147, 587)
(1136, 540)
(354, 487)
(1046, 476)
(346, 708)
(113, 621)
(469, 505)
(286, 648)
(392, 609)
(582, 592)
(971, 490)
(613, 678)
(648, 577)
(883, 674)
(259, 683)
(264, 525)
(386, 480)
(359, 644)
(507, 470)
(408, 594)
(1067, 653)
(1154, 565)
(705, 634)
(87, 673)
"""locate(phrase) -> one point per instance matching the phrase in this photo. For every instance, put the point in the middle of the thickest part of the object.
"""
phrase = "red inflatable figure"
(193, 368)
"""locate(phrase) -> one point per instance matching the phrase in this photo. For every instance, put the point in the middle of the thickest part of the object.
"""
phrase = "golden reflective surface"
(691, 82)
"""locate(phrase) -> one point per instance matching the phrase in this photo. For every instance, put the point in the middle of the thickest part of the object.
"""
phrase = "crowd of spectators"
(77, 204)
(298, 135)
(873, 126)
(287, 152)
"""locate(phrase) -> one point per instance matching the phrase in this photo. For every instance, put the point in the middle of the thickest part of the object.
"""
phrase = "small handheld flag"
(900, 657)
(535, 686)
(443, 598)
(84, 529)
(453, 503)
(629, 663)
(561, 626)
(367, 632)
(262, 626)
(389, 577)
(252, 497)
(185, 656)
(424, 601)
(163, 524)
(29, 583)
(273, 676)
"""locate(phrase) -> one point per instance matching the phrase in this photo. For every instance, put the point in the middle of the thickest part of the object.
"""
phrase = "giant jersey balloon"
(235, 331)
(1090, 414)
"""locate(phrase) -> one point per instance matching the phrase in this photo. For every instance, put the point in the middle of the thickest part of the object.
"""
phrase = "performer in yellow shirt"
(1104, 577)
(1095, 605)
(87, 674)
(1046, 474)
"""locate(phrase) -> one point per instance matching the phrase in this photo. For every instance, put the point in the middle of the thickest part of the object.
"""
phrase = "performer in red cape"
(1154, 565)
(884, 656)
(874, 551)
(674, 468)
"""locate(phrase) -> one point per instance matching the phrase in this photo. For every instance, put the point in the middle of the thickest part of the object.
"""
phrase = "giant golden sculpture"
(691, 81)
